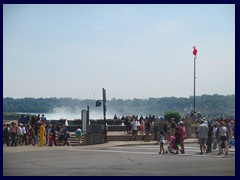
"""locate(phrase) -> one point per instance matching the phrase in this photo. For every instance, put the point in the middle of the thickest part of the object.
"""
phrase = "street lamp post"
(104, 113)
(98, 104)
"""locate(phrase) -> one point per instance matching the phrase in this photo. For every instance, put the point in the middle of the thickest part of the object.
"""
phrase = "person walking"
(183, 136)
(134, 129)
(165, 129)
(202, 135)
(178, 137)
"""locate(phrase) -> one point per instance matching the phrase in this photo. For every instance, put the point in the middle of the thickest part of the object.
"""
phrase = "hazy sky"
(133, 51)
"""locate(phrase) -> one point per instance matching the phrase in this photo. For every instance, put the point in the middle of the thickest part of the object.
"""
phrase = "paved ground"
(114, 158)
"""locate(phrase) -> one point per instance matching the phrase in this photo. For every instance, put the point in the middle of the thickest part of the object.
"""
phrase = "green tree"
(172, 114)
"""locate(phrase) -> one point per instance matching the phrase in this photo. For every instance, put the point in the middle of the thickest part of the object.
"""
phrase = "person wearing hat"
(202, 135)
(183, 136)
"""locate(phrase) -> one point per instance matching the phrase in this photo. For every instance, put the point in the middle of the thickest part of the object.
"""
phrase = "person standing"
(147, 132)
(210, 137)
(66, 135)
(7, 135)
(173, 125)
(165, 129)
(183, 136)
(161, 141)
(178, 136)
(13, 131)
(24, 131)
(202, 135)
(52, 136)
(142, 127)
(134, 129)
(223, 138)
(31, 139)
(230, 132)
(20, 134)
(78, 134)
(215, 137)
(36, 134)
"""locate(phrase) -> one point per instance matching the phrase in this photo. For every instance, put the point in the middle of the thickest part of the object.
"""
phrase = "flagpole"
(194, 86)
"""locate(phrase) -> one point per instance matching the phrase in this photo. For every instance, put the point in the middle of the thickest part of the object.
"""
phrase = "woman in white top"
(161, 141)
(20, 134)
(222, 137)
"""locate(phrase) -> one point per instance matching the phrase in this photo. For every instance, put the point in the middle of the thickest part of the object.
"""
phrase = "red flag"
(194, 51)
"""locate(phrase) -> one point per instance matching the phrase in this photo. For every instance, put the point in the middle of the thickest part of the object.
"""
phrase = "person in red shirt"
(183, 136)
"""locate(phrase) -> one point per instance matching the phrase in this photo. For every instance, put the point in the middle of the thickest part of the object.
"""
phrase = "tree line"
(211, 105)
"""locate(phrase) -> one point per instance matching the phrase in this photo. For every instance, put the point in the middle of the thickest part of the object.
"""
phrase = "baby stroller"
(232, 142)
(172, 145)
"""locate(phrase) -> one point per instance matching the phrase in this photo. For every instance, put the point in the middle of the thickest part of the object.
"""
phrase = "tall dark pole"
(104, 113)
(87, 115)
(194, 85)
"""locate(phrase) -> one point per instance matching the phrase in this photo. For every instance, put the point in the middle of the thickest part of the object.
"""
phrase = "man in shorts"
(202, 135)
(134, 129)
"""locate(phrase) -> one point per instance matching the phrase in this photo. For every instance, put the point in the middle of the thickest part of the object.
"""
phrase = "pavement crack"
(39, 164)
(135, 161)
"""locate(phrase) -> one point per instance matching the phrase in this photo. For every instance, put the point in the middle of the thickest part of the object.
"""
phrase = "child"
(161, 141)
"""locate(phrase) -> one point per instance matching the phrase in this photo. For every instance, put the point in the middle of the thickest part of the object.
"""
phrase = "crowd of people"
(212, 134)
(27, 132)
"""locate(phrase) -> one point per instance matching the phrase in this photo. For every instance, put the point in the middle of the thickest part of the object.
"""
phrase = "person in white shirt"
(134, 129)
(161, 142)
(20, 134)
(24, 139)
(222, 137)
(202, 135)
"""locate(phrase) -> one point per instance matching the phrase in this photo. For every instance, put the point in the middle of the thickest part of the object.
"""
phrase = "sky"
(133, 51)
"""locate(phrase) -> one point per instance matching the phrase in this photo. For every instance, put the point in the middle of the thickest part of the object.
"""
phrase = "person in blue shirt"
(66, 136)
